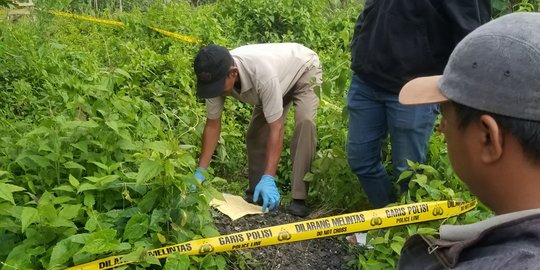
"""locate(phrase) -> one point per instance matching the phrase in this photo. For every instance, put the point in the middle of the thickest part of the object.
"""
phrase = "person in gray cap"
(272, 77)
(490, 103)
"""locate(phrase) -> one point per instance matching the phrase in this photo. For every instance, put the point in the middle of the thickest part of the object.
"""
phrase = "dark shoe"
(298, 208)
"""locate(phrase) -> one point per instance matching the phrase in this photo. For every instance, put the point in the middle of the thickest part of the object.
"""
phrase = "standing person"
(271, 77)
(395, 41)
(490, 104)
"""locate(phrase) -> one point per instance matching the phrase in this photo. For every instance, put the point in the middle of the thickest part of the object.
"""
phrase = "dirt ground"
(319, 254)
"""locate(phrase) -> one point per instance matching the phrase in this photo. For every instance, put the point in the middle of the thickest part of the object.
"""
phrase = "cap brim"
(423, 90)
(211, 90)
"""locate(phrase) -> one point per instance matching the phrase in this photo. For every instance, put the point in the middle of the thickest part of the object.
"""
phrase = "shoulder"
(513, 245)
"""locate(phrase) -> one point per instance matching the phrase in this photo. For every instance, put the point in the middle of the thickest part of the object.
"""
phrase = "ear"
(492, 140)
(233, 71)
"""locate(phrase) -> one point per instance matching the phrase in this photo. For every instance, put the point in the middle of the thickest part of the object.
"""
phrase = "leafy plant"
(501, 7)
(100, 130)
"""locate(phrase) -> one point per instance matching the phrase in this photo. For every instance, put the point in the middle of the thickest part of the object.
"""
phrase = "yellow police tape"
(86, 18)
(175, 35)
(119, 23)
(304, 230)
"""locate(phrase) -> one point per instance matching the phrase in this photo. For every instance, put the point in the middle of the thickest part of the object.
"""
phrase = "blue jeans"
(373, 113)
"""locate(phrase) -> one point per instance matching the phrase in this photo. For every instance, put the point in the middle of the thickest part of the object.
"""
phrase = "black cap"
(211, 66)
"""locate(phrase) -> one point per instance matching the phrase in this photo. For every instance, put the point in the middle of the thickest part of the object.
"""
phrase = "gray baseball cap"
(496, 68)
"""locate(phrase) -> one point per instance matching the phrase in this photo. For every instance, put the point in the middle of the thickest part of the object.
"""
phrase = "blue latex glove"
(199, 174)
(269, 192)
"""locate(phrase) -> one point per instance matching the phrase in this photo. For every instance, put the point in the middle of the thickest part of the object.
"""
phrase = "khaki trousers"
(304, 138)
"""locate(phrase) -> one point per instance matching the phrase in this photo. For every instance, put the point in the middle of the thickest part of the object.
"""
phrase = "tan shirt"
(267, 73)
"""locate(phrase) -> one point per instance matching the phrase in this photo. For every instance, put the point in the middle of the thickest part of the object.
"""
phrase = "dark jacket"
(514, 244)
(395, 41)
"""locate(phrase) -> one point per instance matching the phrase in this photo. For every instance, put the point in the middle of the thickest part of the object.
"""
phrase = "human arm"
(211, 132)
(267, 184)
(274, 146)
(272, 103)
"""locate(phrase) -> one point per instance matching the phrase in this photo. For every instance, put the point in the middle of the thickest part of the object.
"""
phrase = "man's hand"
(269, 192)
(199, 174)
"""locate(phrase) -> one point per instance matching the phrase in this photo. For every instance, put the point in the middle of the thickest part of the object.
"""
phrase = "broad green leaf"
(6, 208)
(85, 124)
(101, 242)
(135, 255)
(122, 72)
(62, 252)
(73, 181)
(125, 144)
(80, 238)
(153, 260)
(9, 225)
(28, 216)
(427, 231)
(108, 179)
(89, 199)
(147, 203)
(67, 188)
(436, 183)
(104, 179)
(396, 247)
(62, 222)
(428, 169)
(221, 263)
(63, 199)
(47, 211)
(124, 246)
(221, 181)
(398, 238)
(208, 262)
(158, 217)
(186, 146)
(91, 224)
(377, 240)
(405, 175)
(136, 227)
(161, 238)
(85, 187)
(113, 125)
(187, 160)
(500, 4)
(19, 258)
(73, 165)
(82, 145)
(6, 191)
(148, 170)
(421, 180)
(81, 124)
(40, 161)
(214, 193)
(159, 146)
(69, 211)
(114, 166)
(177, 261)
(208, 231)
(101, 165)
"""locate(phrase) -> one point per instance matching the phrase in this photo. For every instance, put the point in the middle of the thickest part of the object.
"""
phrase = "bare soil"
(319, 254)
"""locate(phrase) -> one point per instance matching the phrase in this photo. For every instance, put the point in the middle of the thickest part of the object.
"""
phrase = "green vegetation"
(100, 130)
